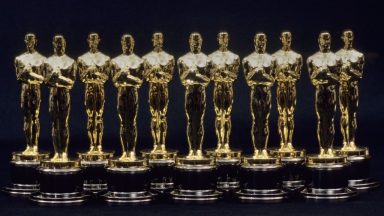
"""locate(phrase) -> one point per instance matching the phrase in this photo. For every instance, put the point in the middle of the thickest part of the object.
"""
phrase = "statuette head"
(195, 42)
(93, 42)
(127, 43)
(59, 45)
(30, 42)
(260, 41)
(324, 41)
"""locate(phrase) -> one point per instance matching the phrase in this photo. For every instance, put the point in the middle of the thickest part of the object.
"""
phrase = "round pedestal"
(24, 176)
(260, 180)
(162, 165)
(195, 181)
(93, 166)
(60, 184)
(227, 163)
(359, 172)
(327, 179)
(293, 169)
(128, 182)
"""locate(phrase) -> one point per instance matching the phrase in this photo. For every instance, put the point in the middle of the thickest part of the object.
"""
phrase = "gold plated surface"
(288, 71)
(195, 77)
(94, 69)
(224, 68)
(351, 73)
(259, 70)
(29, 72)
(127, 75)
(324, 71)
(60, 75)
(158, 71)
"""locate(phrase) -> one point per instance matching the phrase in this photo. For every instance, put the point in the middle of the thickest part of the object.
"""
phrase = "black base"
(227, 175)
(128, 197)
(54, 199)
(204, 196)
(293, 174)
(328, 181)
(60, 187)
(195, 183)
(24, 178)
(260, 183)
(336, 194)
(95, 180)
(268, 196)
(21, 189)
(359, 174)
(128, 185)
(161, 175)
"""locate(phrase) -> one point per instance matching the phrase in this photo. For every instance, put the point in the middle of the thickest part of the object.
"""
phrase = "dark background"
(177, 19)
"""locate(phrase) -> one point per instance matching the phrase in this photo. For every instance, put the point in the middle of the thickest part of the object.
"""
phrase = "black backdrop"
(242, 19)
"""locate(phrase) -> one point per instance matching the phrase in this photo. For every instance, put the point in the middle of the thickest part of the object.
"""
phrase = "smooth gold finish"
(127, 76)
(158, 71)
(288, 71)
(351, 73)
(224, 71)
(94, 69)
(259, 70)
(29, 71)
(324, 71)
(60, 75)
(195, 77)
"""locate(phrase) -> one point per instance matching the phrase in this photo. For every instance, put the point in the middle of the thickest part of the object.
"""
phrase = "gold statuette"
(194, 75)
(327, 172)
(127, 76)
(158, 71)
(261, 172)
(324, 71)
(224, 70)
(193, 173)
(128, 176)
(94, 68)
(59, 177)
(351, 73)
(259, 69)
(60, 74)
(288, 70)
(29, 71)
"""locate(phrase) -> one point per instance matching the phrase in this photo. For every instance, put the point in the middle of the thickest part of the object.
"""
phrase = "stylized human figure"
(259, 70)
(224, 69)
(351, 73)
(324, 71)
(29, 68)
(60, 75)
(195, 76)
(288, 71)
(158, 71)
(94, 68)
(127, 76)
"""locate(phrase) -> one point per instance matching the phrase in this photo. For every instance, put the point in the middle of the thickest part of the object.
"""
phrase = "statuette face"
(259, 69)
